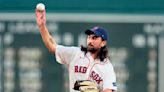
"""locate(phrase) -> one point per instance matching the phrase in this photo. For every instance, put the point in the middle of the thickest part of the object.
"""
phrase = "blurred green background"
(136, 42)
(100, 6)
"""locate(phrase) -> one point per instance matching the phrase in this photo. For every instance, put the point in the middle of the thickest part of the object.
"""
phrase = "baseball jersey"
(82, 66)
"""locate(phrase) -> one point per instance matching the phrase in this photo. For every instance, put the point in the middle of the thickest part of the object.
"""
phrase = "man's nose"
(90, 40)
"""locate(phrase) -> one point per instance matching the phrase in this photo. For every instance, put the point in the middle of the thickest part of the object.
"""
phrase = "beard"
(91, 49)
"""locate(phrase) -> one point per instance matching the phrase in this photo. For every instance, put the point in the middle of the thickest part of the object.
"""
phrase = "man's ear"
(103, 43)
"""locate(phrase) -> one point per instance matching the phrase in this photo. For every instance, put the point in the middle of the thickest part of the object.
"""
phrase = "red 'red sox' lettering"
(96, 77)
(80, 69)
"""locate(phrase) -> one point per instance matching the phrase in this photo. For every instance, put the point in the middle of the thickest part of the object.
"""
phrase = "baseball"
(40, 7)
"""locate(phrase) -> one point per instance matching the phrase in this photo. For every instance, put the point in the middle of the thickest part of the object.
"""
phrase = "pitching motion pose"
(89, 67)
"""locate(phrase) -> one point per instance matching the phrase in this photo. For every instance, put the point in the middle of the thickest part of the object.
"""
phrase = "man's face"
(94, 43)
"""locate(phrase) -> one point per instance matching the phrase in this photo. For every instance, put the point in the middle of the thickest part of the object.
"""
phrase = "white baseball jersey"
(82, 66)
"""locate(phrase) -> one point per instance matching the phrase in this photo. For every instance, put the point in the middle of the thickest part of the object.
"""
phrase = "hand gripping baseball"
(40, 17)
(86, 86)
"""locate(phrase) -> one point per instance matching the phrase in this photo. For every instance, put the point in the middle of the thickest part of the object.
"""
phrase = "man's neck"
(94, 54)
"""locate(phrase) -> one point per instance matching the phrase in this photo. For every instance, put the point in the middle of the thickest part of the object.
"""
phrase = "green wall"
(102, 6)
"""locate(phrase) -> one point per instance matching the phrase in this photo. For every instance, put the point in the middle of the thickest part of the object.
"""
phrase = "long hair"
(103, 53)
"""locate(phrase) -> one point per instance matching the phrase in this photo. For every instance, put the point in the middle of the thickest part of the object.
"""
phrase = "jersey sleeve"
(109, 78)
(64, 54)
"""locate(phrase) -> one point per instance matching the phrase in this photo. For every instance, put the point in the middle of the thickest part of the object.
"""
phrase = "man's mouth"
(90, 46)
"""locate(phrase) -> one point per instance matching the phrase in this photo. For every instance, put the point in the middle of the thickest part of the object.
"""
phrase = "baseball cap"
(98, 31)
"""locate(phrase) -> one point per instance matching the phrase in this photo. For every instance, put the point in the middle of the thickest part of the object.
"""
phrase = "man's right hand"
(46, 37)
(40, 17)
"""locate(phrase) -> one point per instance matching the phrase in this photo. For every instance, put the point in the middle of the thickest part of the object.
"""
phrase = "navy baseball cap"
(98, 31)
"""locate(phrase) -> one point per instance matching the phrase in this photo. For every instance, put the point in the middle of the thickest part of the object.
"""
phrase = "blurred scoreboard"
(27, 66)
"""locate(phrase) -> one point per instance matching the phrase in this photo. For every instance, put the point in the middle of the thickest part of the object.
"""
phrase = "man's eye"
(95, 37)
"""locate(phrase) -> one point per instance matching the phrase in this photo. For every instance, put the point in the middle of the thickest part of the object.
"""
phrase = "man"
(85, 63)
